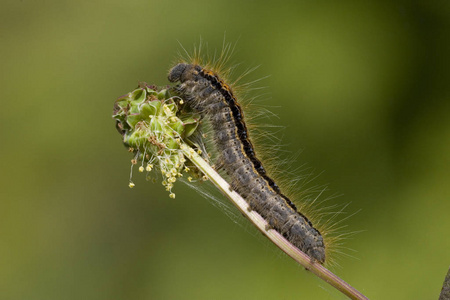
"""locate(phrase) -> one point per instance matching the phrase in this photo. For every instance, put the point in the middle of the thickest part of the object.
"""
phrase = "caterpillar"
(207, 93)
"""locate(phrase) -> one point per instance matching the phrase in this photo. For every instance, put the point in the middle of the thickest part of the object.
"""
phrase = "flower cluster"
(153, 128)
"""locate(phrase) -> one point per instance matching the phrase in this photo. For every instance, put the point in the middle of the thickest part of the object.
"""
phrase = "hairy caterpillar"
(206, 92)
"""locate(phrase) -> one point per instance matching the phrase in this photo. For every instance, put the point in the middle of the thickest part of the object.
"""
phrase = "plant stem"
(273, 235)
(445, 292)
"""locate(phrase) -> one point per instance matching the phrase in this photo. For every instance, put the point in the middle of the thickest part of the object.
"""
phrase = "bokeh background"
(361, 86)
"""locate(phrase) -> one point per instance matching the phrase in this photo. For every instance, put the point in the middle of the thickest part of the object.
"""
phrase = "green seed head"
(153, 127)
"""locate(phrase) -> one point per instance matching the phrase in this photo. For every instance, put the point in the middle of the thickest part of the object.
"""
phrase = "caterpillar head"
(183, 72)
(176, 72)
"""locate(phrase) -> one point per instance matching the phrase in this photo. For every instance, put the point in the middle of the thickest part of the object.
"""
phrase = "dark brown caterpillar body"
(213, 98)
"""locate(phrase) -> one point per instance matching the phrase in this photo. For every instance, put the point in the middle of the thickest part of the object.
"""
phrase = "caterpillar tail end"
(317, 255)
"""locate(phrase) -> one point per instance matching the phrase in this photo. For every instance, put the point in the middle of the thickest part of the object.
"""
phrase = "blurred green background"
(362, 87)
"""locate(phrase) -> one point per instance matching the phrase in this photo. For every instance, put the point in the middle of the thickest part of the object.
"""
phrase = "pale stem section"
(273, 235)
